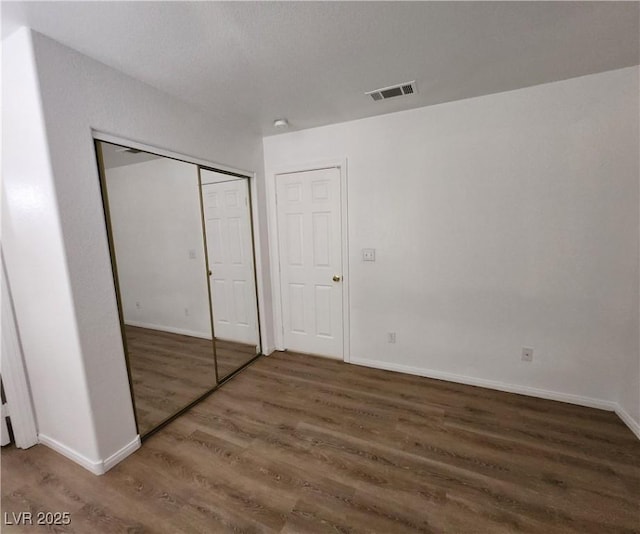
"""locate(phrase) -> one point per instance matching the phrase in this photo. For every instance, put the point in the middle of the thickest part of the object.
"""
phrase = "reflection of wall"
(155, 216)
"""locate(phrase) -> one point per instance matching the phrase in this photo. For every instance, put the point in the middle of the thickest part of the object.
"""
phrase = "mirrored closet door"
(181, 247)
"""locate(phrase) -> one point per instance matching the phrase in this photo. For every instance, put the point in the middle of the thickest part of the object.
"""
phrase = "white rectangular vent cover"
(407, 88)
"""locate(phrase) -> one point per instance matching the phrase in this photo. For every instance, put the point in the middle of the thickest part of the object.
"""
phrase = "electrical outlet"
(527, 354)
(391, 337)
(138, 305)
(368, 254)
(192, 254)
(186, 312)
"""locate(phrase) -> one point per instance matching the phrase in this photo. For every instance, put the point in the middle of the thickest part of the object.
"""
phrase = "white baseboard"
(98, 467)
(628, 420)
(171, 329)
(121, 454)
(491, 384)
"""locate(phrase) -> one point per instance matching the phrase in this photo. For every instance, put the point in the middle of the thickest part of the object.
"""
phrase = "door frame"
(274, 246)
(19, 406)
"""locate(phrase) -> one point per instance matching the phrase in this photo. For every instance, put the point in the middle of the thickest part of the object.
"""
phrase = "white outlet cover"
(368, 254)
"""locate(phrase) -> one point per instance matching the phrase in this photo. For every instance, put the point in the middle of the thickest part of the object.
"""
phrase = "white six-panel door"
(230, 255)
(310, 256)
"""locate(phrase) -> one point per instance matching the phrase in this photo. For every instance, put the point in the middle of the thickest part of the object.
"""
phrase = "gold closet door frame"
(98, 139)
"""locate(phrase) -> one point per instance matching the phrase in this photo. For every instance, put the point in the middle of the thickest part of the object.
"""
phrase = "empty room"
(320, 267)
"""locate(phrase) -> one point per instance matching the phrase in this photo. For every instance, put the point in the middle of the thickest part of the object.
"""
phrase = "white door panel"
(227, 226)
(310, 255)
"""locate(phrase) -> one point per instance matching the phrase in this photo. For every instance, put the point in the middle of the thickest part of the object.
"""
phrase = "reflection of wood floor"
(232, 355)
(298, 444)
(168, 371)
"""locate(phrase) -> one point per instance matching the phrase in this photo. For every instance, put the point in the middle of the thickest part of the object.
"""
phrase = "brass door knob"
(337, 277)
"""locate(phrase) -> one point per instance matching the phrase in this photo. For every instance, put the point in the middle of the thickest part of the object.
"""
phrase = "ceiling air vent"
(407, 88)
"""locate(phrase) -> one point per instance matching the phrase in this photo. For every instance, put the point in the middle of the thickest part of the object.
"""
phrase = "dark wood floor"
(169, 371)
(297, 444)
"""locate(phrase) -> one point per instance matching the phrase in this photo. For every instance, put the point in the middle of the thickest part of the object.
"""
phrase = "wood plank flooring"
(298, 444)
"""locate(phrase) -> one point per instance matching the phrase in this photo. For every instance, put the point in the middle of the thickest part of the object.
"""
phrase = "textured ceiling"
(252, 62)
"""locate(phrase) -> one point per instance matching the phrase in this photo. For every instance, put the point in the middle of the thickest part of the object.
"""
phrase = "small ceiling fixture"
(406, 88)
(281, 123)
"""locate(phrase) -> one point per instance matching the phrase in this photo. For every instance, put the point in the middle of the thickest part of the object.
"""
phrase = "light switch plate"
(368, 254)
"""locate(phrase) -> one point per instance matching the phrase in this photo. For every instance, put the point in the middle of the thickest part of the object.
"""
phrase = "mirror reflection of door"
(153, 212)
(229, 243)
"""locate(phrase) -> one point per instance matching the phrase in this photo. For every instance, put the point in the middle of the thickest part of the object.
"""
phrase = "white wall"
(36, 268)
(57, 254)
(629, 398)
(629, 395)
(156, 223)
(499, 222)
